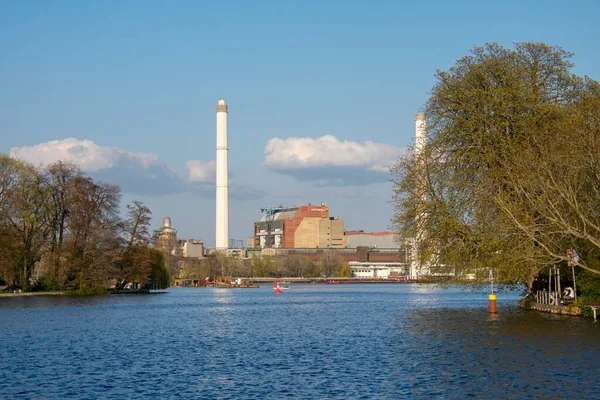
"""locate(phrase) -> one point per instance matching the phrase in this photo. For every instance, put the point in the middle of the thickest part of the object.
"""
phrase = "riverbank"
(27, 294)
(59, 293)
(292, 280)
(572, 309)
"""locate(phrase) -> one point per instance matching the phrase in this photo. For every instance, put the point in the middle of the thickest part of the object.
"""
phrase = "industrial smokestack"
(222, 231)
(420, 132)
(416, 267)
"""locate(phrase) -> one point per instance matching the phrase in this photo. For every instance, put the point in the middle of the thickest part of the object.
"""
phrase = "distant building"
(235, 253)
(166, 231)
(308, 226)
(382, 240)
(165, 238)
(376, 270)
(365, 262)
(192, 248)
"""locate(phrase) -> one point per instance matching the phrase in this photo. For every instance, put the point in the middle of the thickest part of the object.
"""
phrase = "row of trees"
(61, 230)
(509, 178)
(330, 265)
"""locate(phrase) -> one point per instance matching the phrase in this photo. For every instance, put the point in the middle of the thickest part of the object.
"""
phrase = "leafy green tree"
(345, 271)
(477, 188)
(562, 192)
(264, 267)
(168, 245)
(159, 275)
(60, 229)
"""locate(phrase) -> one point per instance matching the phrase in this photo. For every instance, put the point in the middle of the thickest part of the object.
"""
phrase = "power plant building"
(381, 240)
(308, 226)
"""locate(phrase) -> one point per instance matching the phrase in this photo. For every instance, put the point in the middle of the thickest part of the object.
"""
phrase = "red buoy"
(277, 287)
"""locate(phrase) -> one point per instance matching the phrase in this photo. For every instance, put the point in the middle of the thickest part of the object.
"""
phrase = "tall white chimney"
(417, 268)
(420, 132)
(222, 231)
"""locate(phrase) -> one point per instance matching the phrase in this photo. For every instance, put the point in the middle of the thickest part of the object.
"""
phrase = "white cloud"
(329, 151)
(136, 173)
(329, 161)
(87, 154)
(199, 171)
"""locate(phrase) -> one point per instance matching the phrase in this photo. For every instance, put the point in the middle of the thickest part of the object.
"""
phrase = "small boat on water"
(284, 287)
(277, 288)
(333, 282)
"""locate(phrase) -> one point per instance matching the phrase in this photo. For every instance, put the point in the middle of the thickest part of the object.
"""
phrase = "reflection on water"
(513, 353)
(314, 341)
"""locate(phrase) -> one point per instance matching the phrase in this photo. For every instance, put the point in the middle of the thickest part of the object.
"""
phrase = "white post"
(222, 216)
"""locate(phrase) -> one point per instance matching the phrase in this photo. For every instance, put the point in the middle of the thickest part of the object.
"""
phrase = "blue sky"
(322, 94)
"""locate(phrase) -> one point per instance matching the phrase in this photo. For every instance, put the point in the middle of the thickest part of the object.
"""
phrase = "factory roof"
(288, 214)
(278, 214)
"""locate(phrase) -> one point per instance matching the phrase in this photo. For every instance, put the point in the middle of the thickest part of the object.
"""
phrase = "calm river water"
(314, 342)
